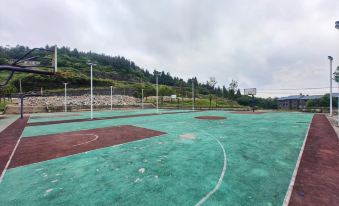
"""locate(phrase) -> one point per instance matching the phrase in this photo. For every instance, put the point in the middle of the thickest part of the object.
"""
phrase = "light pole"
(331, 59)
(336, 78)
(65, 97)
(111, 97)
(192, 95)
(336, 75)
(142, 98)
(91, 88)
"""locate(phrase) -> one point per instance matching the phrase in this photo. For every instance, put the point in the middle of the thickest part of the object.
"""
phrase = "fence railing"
(80, 92)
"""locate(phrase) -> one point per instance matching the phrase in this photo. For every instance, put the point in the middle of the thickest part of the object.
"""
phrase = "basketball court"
(142, 157)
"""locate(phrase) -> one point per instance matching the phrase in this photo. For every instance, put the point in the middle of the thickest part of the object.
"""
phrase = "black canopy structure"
(36, 61)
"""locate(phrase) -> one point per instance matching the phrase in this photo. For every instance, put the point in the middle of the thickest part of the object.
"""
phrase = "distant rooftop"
(305, 97)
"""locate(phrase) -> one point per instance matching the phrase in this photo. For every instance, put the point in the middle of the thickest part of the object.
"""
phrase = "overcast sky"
(263, 43)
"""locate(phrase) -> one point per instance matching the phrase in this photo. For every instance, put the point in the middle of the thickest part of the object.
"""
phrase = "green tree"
(232, 88)
(165, 91)
(211, 83)
(238, 94)
(149, 90)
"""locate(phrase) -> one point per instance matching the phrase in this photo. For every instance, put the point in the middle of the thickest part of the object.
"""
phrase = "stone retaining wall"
(80, 100)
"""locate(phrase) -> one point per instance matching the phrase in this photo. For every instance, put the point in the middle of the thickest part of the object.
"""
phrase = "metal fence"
(80, 92)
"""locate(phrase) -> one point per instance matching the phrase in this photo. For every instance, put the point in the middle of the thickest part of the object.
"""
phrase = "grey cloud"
(263, 44)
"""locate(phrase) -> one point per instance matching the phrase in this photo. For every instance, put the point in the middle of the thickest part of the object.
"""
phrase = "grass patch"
(199, 103)
(3, 105)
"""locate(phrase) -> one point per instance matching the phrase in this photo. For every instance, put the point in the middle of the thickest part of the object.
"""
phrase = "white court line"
(12, 154)
(220, 178)
(290, 187)
(95, 138)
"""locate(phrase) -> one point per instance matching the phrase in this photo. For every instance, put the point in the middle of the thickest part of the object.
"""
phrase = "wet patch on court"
(210, 117)
(248, 112)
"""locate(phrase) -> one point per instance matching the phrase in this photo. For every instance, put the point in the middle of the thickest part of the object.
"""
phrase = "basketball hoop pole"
(252, 103)
(20, 86)
(252, 92)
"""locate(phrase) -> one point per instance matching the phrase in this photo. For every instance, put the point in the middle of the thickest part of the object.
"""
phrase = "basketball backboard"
(250, 91)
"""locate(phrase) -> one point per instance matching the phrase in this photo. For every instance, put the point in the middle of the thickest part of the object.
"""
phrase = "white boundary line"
(12, 154)
(220, 178)
(4, 126)
(95, 138)
(291, 185)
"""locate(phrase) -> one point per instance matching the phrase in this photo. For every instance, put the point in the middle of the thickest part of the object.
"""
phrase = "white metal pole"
(142, 98)
(111, 97)
(65, 97)
(41, 92)
(331, 110)
(192, 95)
(91, 91)
(157, 94)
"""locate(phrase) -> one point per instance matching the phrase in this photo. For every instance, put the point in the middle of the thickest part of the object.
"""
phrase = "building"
(295, 101)
(26, 62)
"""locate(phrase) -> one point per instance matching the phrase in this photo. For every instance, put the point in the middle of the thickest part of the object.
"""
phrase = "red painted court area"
(8, 139)
(47, 147)
(317, 180)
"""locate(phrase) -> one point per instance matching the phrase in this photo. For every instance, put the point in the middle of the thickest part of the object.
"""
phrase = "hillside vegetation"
(119, 72)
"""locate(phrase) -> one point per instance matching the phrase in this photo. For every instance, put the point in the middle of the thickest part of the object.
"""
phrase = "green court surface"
(4, 122)
(242, 160)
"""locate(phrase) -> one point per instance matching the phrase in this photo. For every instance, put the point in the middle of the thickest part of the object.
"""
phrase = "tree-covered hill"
(116, 71)
(109, 70)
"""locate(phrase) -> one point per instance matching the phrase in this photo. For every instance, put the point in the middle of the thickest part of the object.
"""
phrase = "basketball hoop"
(36, 61)
(251, 92)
